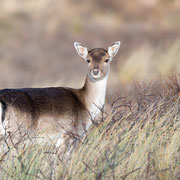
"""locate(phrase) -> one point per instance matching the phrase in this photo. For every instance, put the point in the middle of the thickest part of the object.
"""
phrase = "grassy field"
(137, 138)
(139, 134)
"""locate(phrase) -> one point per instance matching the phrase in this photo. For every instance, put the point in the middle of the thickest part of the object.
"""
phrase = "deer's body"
(48, 110)
(56, 111)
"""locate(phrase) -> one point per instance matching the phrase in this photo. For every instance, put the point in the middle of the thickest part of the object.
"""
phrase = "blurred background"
(36, 40)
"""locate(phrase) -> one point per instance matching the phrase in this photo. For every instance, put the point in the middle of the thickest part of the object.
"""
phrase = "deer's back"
(35, 105)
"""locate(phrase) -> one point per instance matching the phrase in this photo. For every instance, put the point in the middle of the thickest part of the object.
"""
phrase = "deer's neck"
(95, 92)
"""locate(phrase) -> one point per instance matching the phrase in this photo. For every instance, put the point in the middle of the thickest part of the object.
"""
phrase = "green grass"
(138, 139)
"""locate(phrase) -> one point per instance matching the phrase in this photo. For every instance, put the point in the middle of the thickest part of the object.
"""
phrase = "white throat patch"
(97, 97)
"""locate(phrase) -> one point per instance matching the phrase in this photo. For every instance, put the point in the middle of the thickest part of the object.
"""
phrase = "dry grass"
(150, 63)
(140, 136)
(138, 139)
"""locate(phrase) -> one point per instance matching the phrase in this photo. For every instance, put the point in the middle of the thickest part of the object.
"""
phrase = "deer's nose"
(96, 71)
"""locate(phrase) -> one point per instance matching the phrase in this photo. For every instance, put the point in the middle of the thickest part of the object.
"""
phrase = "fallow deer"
(54, 111)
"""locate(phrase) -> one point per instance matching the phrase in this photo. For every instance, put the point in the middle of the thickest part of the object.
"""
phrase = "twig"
(125, 176)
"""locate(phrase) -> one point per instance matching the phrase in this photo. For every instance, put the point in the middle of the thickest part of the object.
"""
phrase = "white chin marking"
(97, 77)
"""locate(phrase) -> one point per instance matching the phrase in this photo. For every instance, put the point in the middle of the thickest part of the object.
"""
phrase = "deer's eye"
(106, 60)
(88, 61)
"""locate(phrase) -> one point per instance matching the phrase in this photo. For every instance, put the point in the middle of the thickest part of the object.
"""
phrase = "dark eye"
(106, 61)
(88, 61)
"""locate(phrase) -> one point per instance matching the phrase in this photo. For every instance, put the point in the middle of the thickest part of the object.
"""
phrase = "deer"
(58, 112)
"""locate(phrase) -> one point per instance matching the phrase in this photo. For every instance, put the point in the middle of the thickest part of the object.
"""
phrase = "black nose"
(95, 71)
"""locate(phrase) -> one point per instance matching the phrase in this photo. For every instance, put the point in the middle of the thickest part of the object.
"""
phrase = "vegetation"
(139, 135)
(138, 138)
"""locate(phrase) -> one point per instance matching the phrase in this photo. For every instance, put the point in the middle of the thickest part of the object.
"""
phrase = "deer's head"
(98, 59)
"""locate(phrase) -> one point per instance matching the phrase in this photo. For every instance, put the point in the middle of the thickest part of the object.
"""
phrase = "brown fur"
(57, 111)
(28, 106)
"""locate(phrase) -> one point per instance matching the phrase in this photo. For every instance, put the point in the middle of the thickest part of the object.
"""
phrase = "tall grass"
(138, 138)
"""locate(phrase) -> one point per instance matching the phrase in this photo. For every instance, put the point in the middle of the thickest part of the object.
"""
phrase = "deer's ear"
(113, 49)
(81, 50)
